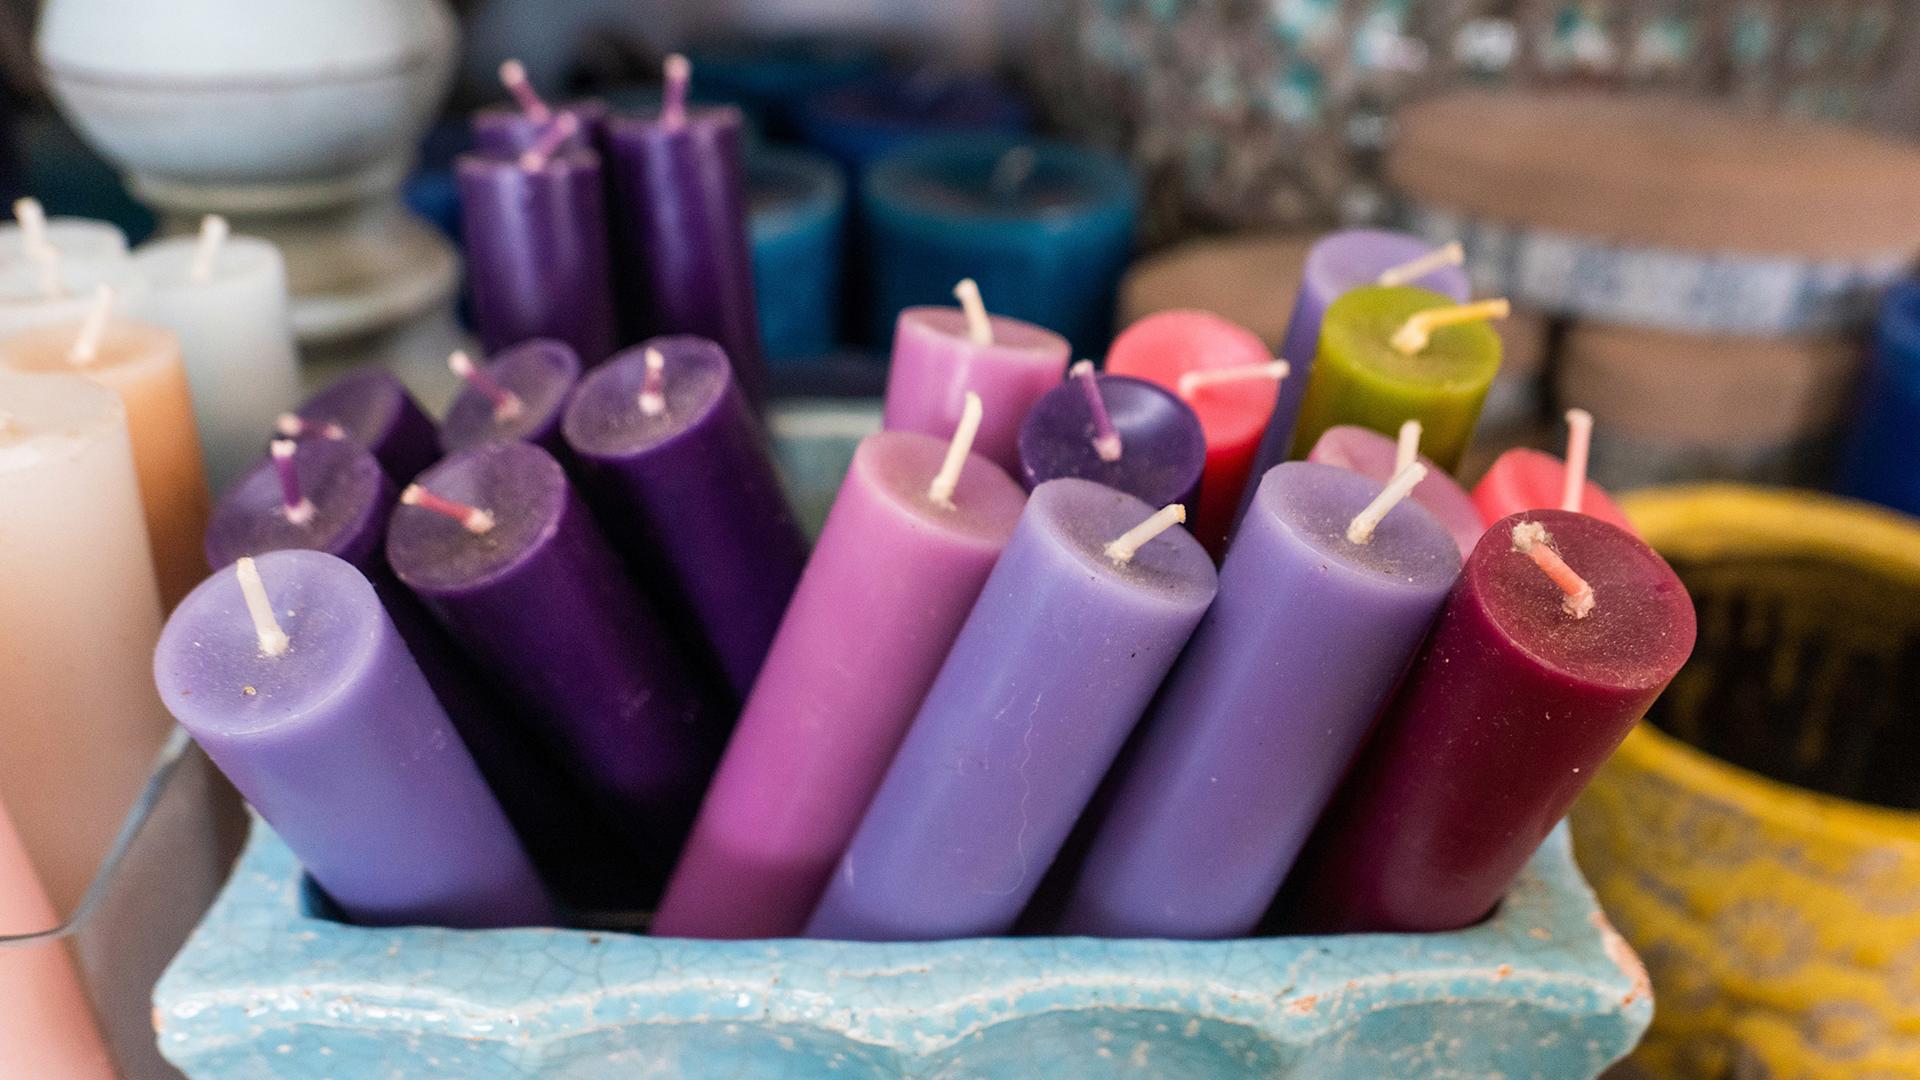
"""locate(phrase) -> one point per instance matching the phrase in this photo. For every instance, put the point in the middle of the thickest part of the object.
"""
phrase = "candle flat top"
(1165, 345)
(23, 281)
(349, 491)
(126, 350)
(785, 181)
(991, 179)
(74, 237)
(1352, 258)
(1083, 517)
(561, 164)
(46, 418)
(948, 326)
(1162, 447)
(1373, 455)
(605, 419)
(900, 465)
(365, 402)
(1527, 478)
(168, 264)
(1360, 325)
(521, 485)
(1316, 503)
(539, 373)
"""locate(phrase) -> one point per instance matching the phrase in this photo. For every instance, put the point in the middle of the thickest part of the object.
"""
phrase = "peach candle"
(47, 1028)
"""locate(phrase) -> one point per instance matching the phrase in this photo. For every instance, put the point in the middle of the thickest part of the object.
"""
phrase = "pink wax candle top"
(1377, 457)
(521, 394)
(1527, 479)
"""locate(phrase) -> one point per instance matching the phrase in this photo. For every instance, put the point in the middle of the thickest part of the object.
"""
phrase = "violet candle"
(1115, 430)
(371, 407)
(509, 130)
(519, 394)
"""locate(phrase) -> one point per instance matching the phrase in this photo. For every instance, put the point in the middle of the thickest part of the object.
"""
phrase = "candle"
(1329, 586)
(1528, 479)
(141, 363)
(520, 394)
(905, 552)
(503, 552)
(1881, 460)
(289, 674)
(535, 230)
(79, 614)
(1229, 378)
(1378, 458)
(940, 355)
(1016, 732)
(678, 185)
(774, 76)
(372, 407)
(1517, 698)
(797, 204)
(32, 233)
(1115, 430)
(674, 462)
(1337, 263)
(1045, 228)
(59, 291)
(226, 298)
(47, 1028)
(507, 131)
(863, 121)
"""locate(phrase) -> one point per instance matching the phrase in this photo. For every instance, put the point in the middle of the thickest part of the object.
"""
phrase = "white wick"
(1407, 450)
(86, 344)
(33, 228)
(471, 518)
(506, 403)
(653, 392)
(1415, 269)
(1360, 529)
(293, 427)
(266, 628)
(1579, 444)
(213, 234)
(940, 492)
(979, 327)
(1530, 539)
(1122, 550)
(1193, 382)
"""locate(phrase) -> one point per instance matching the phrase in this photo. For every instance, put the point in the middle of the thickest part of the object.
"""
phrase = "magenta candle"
(905, 552)
(519, 394)
(1373, 455)
(372, 407)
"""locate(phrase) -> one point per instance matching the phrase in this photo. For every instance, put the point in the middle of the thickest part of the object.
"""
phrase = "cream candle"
(47, 1028)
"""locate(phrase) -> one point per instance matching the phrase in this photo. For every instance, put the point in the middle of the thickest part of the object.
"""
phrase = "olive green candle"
(1361, 377)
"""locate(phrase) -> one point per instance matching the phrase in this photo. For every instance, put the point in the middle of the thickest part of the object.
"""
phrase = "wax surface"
(26, 304)
(935, 363)
(542, 374)
(339, 743)
(1016, 733)
(73, 237)
(1509, 710)
(861, 122)
(797, 206)
(1264, 710)
(1162, 448)
(1374, 455)
(1528, 479)
(47, 1028)
(351, 499)
(1233, 416)
(506, 130)
(693, 497)
(885, 593)
(375, 410)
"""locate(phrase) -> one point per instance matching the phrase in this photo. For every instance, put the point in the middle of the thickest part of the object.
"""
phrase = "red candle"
(1229, 377)
(1524, 479)
(1559, 634)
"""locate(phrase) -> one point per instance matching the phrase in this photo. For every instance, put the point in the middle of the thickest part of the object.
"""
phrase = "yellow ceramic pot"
(1781, 926)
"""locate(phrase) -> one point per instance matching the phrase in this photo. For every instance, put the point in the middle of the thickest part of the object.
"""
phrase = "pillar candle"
(372, 407)
(1881, 458)
(1157, 450)
(524, 581)
(1165, 349)
(32, 295)
(1377, 457)
(681, 202)
(940, 355)
(141, 363)
(1017, 731)
(798, 224)
(509, 130)
(295, 683)
(1527, 479)
(32, 232)
(863, 121)
(898, 565)
(79, 612)
(1512, 705)
(674, 462)
(776, 75)
(47, 1028)
(226, 298)
(520, 393)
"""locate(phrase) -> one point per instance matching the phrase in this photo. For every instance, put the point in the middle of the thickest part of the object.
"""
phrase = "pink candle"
(916, 528)
(1373, 455)
(46, 1028)
(1524, 479)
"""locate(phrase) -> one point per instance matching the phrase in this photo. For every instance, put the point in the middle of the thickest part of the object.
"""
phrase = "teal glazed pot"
(269, 988)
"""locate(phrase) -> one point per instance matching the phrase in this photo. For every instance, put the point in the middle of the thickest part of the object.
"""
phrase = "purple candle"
(1017, 732)
(681, 201)
(1115, 430)
(290, 675)
(371, 407)
(1378, 458)
(676, 466)
(507, 131)
(519, 394)
(503, 552)
(1317, 617)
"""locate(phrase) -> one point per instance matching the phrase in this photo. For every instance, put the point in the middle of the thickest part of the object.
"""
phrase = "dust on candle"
(1530, 539)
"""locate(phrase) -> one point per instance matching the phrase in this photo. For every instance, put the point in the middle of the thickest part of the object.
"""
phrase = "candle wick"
(513, 75)
(979, 327)
(1579, 445)
(673, 96)
(551, 139)
(1012, 171)
(294, 427)
(33, 228)
(213, 235)
(299, 509)
(1192, 382)
(1106, 438)
(506, 404)
(1417, 333)
(940, 492)
(266, 628)
(1122, 550)
(1414, 269)
(1530, 539)
(86, 344)
(1407, 450)
(471, 518)
(653, 392)
(1360, 529)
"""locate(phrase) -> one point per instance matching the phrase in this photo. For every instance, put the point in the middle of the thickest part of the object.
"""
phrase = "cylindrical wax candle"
(1017, 730)
(227, 300)
(775, 75)
(84, 239)
(79, 613)
(509, 130)
(1264, 711)
(141, 363)
(676, 466)
(47, 1029)
(1376, 457)
(1527, 479)
(1167, 347)
(863, 121)
(1881, 461)
(1161, 450)
(536, 596)
(372, 407)
(896, 570)
(798, 224)
(34, 294)
(1509, 710)
(942, 354)
(520, 393)
(325, 724)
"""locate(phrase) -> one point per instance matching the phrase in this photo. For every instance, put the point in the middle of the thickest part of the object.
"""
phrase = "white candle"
(79, 617)
(74, 238)
(236, 339)
(27, 302)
